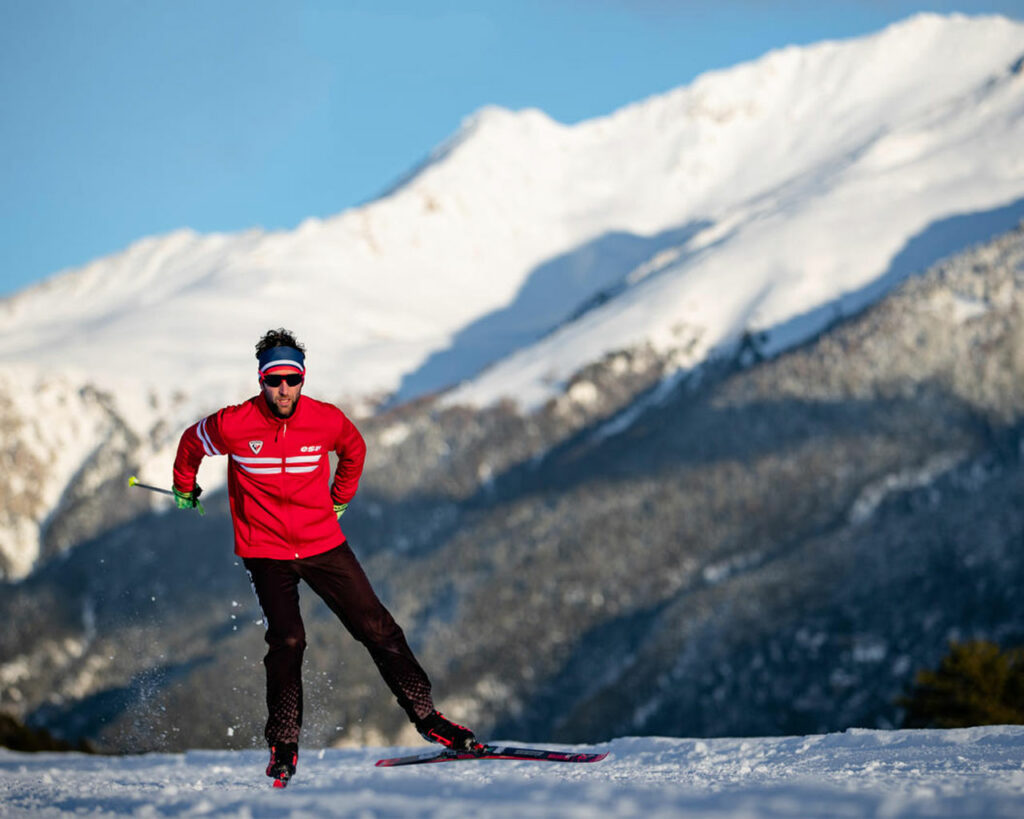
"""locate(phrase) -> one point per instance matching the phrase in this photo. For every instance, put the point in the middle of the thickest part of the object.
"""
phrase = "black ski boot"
(283, 757)
(436, 727)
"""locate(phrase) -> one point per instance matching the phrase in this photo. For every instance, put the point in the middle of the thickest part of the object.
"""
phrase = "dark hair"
(277, 338)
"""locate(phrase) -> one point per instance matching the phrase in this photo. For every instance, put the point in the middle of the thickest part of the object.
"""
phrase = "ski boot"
(436, 727)
(283, 757)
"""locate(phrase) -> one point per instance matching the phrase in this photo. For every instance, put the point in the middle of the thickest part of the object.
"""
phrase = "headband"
(281, 357)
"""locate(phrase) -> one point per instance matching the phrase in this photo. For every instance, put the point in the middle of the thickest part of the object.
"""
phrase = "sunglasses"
(292, 379)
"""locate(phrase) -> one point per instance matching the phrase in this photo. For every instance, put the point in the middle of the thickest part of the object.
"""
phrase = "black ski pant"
(340, 581)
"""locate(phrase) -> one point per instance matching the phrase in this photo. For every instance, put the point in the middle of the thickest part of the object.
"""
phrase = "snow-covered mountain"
(759, 200)
(770, 547)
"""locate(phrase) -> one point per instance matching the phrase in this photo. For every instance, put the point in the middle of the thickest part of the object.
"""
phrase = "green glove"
(339, 509)
(189, 500)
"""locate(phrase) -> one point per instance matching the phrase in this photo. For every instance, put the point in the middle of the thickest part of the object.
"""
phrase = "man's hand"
(189, 500)
(339, 509)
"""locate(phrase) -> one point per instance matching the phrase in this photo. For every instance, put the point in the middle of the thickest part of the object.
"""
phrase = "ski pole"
(133, 481)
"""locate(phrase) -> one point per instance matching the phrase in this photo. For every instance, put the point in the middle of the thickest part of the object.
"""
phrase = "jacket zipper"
(286, 500)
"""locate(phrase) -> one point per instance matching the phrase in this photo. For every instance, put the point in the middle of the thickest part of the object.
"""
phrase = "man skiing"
(285, 509)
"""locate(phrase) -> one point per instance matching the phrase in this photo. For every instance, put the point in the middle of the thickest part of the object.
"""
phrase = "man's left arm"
(351, 450)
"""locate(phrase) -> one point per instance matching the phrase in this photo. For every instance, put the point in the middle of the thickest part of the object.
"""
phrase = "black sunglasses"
(292, 379)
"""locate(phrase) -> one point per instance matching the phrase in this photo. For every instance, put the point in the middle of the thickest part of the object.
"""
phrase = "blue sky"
(123, 119)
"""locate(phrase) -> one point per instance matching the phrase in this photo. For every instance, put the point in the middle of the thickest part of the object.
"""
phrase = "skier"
(277, 444)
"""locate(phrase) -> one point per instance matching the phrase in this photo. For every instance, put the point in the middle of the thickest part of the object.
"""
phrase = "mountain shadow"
(942, 238)
(557, 290)
(569, 285)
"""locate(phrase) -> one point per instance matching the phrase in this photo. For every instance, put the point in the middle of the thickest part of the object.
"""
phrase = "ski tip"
(132, 480)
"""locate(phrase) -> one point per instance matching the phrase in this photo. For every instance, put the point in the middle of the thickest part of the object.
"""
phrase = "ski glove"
(189, 500)
(339, 509)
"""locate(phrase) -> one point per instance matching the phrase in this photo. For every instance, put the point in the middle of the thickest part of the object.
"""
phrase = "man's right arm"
(198, 441)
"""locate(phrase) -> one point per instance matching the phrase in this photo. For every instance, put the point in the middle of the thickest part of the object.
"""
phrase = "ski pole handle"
(133, 481)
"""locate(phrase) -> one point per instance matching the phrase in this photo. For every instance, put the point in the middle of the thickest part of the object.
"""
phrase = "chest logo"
(255, 446)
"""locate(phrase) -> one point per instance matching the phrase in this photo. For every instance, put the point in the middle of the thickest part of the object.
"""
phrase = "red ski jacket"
(282, 504)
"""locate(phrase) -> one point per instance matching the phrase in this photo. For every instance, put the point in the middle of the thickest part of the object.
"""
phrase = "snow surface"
(771, 196)
(973, 772)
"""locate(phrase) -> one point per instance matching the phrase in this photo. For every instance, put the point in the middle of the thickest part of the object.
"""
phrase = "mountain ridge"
(359, 226)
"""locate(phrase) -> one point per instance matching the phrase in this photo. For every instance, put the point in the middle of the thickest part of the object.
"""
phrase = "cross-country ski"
(513, 752)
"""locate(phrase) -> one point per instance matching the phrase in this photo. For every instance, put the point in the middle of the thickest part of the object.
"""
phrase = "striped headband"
(281, 357)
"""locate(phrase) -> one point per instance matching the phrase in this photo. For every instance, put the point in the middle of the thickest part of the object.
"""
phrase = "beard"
(280, 406)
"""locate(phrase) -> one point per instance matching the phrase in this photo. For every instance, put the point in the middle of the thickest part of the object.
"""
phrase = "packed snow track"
(975, 772)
